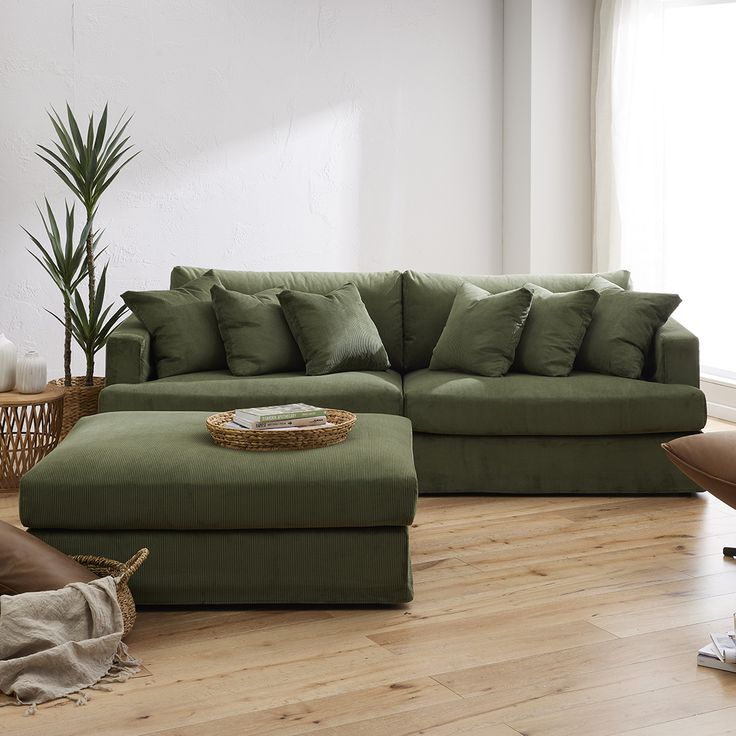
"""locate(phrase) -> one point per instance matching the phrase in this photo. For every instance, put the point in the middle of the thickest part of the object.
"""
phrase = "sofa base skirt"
(300, 566)
(527, 465)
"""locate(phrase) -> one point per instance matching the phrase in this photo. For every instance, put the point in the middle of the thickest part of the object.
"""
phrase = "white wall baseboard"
(721, 411)
(720, 394)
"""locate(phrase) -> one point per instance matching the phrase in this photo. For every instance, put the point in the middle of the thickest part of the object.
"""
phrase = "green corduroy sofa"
(585, 433)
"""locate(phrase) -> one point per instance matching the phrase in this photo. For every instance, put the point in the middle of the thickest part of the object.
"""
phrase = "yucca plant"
(88, 165)
(92, 327)
(64, 260)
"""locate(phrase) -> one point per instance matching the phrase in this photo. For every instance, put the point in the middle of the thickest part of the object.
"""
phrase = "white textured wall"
(343, 134)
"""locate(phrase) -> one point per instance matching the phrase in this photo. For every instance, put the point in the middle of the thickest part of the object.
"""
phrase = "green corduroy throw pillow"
(620, 334)
(334, 331)
(183, 326)
(554, 330)
(255, 333)
(482, 331)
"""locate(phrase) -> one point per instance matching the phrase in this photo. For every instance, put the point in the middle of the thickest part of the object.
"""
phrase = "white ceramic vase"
(8, 357)
(31, 373)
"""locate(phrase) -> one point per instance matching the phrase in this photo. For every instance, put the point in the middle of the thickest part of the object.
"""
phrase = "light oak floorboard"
(532, 615)
(715, 723)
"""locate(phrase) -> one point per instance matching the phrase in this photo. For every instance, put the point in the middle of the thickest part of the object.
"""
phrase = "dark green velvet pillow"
(620, 334)
(256, 337)
(482, 331)
(183, 326)
(334, 331)
(554, 330)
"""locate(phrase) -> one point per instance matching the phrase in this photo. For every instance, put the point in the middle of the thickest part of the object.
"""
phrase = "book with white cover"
(278, 412)
(235, 425)
(279, 423)
(708, 657)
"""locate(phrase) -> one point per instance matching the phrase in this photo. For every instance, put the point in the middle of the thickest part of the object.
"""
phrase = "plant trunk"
(90, 368)
(67, 343)
(92, 290)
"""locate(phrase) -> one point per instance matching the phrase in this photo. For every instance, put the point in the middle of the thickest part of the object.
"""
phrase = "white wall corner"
(517, 56)
(547, 176)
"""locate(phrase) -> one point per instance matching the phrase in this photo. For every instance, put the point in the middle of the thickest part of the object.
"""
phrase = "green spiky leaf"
(87, 164)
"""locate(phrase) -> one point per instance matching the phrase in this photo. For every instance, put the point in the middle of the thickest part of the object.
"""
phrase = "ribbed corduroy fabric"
(553, 331)
(441, 402)
(428, 299)
(128, 357)
(674, 356)
(334, 331)
(587, 465)
(358, 391)
(620, 334)
(335, 566)
(255, 333)
(379, 290)
(482, 331)
(161, 470)
(226, 526)
(183, 326)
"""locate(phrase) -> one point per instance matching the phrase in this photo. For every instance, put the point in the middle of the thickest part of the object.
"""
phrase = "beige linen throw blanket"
(59, 642)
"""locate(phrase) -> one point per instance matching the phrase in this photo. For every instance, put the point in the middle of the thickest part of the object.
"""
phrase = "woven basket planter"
(103, 566)
(80, 400)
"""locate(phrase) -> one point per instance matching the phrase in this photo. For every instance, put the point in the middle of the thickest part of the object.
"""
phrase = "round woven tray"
(103, 566)
(260, 440)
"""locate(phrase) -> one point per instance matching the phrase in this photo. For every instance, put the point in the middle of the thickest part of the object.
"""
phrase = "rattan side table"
(30, 425)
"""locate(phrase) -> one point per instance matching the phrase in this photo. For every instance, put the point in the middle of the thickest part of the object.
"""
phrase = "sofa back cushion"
(428, 298)
(334, 331)
(380, 292)
(619, 338)
(183, 325)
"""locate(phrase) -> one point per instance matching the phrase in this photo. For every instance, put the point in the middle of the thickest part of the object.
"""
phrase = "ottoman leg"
(729, 551)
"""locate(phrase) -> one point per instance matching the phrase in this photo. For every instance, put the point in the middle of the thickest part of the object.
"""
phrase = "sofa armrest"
(675, 355)
(128, 353)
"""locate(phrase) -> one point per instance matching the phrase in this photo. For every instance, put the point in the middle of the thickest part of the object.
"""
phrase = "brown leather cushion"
(27, 564)
(708, 459)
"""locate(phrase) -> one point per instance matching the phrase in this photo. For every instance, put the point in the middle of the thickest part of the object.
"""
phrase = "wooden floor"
(554, 616)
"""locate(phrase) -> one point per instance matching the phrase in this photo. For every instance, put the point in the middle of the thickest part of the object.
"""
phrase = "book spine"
(284, 417)
(304, 422)
(705, 661)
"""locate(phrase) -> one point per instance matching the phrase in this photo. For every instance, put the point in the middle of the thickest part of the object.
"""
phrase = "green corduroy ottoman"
(227, 526)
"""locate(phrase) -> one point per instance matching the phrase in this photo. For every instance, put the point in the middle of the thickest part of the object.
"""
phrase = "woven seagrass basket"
(80, 400)
(260, 440)
(103, 566)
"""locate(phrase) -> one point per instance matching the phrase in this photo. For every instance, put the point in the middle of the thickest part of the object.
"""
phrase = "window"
(698, 247)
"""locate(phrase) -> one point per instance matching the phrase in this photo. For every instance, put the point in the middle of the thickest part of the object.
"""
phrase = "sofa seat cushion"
(521, 404)
(161, 470)
(356, 391)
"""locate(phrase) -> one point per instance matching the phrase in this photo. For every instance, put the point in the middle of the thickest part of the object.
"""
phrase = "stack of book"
(286, 416)
(720, 653)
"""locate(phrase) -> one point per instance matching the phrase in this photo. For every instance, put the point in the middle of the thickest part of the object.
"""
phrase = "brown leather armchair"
(710, 461)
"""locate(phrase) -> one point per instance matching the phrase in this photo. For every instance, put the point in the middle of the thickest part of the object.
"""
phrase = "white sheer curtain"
(664, 152)
(627, 138)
